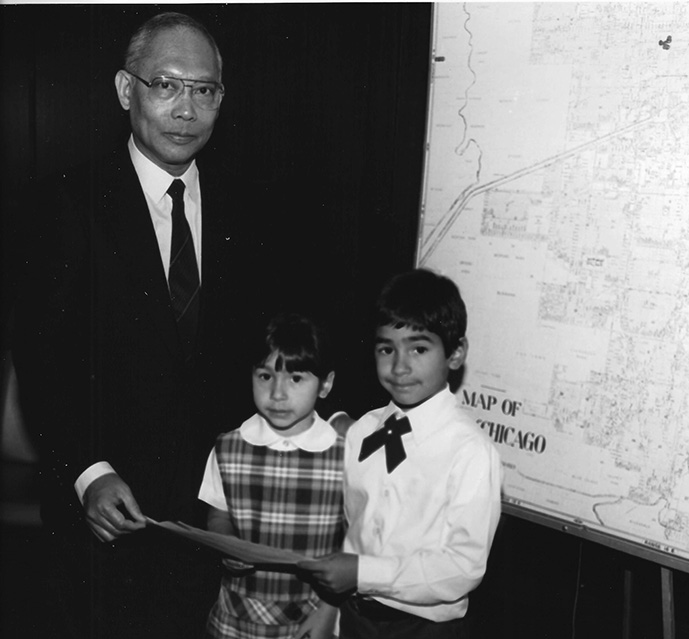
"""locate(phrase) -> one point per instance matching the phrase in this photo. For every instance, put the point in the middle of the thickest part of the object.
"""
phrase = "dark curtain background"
(329, 97)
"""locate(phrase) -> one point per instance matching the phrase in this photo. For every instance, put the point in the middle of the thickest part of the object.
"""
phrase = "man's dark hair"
(140, 42)
(424, 300)
(301, 344)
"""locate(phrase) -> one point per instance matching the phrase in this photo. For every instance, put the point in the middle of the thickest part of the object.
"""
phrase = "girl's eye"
(264, 377)
(297, 378)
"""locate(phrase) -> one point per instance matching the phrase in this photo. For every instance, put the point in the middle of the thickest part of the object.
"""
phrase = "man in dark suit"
(124, 396)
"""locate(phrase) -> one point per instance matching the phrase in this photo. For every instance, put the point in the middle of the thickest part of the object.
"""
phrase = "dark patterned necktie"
(390, 436)
(183, 278)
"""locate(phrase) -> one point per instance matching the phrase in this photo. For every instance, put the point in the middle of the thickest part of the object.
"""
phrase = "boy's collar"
(423, 416)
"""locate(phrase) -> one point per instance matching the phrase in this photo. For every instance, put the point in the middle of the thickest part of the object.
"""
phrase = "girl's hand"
(238, 568)
(319, 624)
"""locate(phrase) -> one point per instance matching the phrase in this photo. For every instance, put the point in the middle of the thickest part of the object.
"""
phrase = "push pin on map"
(665, 43)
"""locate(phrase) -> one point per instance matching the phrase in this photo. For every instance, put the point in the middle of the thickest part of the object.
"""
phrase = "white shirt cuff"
(90, 474)
(375, 574)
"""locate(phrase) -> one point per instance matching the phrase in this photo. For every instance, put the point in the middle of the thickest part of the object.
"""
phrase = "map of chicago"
(555, 194)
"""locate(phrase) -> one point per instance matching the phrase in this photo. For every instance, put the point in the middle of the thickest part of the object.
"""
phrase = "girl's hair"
(301, 345)
(422, 299)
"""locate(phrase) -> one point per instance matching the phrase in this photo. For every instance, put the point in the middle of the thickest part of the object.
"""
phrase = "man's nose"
(184, 106)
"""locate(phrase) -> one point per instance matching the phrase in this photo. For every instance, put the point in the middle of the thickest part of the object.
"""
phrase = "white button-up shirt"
(424, 531)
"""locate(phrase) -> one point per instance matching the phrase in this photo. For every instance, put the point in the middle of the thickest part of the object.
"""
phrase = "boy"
(277, 480)
(422, 482)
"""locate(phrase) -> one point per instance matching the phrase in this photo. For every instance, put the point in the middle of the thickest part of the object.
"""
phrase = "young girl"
(277, 480)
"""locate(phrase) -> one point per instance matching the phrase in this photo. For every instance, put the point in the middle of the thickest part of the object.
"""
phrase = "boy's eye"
(383, 350)
(421, 350)
(297, 378)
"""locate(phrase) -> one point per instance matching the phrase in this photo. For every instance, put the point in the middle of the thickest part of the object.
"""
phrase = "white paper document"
(246, 551)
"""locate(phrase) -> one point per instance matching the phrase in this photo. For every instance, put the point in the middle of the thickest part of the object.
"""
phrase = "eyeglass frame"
(149, 85)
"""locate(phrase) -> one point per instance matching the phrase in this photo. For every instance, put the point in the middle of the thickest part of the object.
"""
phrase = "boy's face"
(286, 400)
(412, 365)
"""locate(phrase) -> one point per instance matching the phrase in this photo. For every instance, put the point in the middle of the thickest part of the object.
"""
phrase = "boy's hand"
(341, 423)
(336, 573)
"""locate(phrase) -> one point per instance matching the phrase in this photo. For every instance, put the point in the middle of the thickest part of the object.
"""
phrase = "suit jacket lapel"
(213, 245)
(228, 254)
(127, 219)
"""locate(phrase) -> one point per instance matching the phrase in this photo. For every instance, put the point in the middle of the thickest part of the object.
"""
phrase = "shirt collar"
(155, 181)
(316, 439)
(426, 417)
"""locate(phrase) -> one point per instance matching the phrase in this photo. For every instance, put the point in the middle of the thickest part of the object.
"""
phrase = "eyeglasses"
(205, 94)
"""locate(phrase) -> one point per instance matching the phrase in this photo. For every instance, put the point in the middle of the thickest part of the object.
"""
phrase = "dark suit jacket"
(102, 376)
(100, 369)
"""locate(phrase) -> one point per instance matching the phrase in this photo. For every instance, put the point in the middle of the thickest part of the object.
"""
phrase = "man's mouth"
(180, 138)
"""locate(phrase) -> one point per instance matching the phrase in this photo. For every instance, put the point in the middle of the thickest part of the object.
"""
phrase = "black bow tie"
(390, 436)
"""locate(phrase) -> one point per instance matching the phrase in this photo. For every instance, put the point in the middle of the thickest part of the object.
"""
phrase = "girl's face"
(287, 400)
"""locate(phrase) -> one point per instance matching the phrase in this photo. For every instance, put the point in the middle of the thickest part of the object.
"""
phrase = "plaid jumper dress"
(285, 499)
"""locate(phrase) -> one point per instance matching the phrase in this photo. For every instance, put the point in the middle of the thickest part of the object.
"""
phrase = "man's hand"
(335, 573)
(101, 501)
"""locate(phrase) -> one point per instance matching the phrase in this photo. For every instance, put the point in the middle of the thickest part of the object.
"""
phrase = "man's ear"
(326, 385)
(456, 359)
(123, 84)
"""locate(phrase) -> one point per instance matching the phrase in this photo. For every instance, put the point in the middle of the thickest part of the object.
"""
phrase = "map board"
(556, 195)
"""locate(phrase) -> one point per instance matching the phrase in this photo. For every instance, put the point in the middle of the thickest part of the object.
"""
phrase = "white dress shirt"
(155, 183)
(424, 531)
